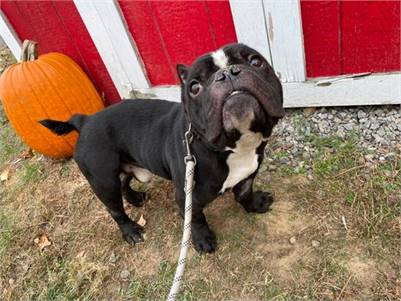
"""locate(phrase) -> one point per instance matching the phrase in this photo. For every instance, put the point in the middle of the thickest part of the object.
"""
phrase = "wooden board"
(283, 21)
(9, 36)
(320, 24)
(378, 89)
(370, 32)
(108, 32)
(250, 25)
(345, 37)
(57, 26)
(171, 32)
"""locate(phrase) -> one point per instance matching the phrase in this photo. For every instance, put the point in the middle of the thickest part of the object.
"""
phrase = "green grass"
(6, 232)
(65, 280)
(334, 155)
(366, 197)
(154, 287)
(32, 172)
(11, 144)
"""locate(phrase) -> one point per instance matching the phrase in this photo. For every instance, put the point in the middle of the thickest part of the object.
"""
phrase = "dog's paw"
(203, 238)
(135, 198)
(260, 203)
(132, 232)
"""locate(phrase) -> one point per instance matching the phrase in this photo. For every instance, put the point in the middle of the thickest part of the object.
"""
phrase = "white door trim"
(375, 89)
(107, 28)
(283, 19)
(9, 36)
(250, 25)
(274, 28)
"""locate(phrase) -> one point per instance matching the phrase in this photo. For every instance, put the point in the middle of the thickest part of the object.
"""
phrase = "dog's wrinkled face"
(229, 92)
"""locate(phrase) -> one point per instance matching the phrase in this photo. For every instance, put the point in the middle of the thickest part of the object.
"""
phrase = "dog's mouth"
(235, 93)
(239, 92)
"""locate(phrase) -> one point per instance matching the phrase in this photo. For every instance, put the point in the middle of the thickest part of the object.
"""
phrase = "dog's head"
(229, 92)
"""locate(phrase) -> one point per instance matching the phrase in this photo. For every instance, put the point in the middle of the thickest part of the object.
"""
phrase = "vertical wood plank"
(80, 38)
(221, 22)
(344, 37)
(184, 26)
(172, 32)
(321, 30)
(107, 30)
(250, 25)
(284, 26)
(145, 30)
(9, 36)
(370, 36)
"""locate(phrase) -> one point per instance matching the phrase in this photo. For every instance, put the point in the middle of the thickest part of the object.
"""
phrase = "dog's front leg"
(203, 239)
(257, 201)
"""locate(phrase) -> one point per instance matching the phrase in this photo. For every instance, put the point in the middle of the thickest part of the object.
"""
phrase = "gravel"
(376, 129)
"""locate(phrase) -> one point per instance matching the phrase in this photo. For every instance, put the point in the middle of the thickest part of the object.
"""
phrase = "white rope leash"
(190, 163)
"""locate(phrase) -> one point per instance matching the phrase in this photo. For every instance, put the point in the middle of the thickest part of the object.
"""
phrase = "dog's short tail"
(60, 128)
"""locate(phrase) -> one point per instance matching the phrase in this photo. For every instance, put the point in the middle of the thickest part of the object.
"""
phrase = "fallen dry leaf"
(26, 154)
(80, 254)
(4, 175)
(42, 241)
(309, 111)
(141, 221)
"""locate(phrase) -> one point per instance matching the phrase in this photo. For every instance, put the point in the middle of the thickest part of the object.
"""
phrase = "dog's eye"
(195, 88)
(255, 60)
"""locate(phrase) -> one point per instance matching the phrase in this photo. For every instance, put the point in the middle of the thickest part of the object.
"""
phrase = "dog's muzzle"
(239, 110)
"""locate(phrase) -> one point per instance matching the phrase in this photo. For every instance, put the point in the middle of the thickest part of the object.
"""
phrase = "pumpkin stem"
(29, 51)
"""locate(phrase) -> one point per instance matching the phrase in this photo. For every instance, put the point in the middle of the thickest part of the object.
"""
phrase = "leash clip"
(189, 137)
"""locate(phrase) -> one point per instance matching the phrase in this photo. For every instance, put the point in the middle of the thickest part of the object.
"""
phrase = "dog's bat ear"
(182, 72)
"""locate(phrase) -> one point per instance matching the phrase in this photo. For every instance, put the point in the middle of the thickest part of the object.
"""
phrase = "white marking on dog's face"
(243, 161)
(220, 59)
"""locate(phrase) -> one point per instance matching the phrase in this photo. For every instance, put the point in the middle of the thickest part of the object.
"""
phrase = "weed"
(33, 172)
(67, 280)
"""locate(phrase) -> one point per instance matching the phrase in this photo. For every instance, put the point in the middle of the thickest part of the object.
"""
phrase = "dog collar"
(201, 138)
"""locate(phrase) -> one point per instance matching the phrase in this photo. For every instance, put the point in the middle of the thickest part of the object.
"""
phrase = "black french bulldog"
(232, 98)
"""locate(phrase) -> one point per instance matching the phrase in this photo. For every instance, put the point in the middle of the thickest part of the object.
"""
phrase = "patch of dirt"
(363, 270)
(284, 242)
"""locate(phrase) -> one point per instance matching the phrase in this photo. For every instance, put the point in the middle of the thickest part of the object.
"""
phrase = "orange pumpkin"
(51, 86)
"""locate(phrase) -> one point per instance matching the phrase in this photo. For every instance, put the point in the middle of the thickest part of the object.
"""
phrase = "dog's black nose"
(223, 74)
(235, 70)
(220, 75)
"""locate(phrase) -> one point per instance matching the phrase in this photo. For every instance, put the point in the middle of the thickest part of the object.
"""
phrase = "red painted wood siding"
(171, 32)
(58, 27)
(343, 37)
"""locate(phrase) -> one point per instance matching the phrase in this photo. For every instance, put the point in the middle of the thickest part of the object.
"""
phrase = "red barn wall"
(342, 37)
(171, 32)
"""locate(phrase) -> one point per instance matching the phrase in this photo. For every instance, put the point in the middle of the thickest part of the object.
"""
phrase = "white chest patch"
(220, 59)
(244, 160)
